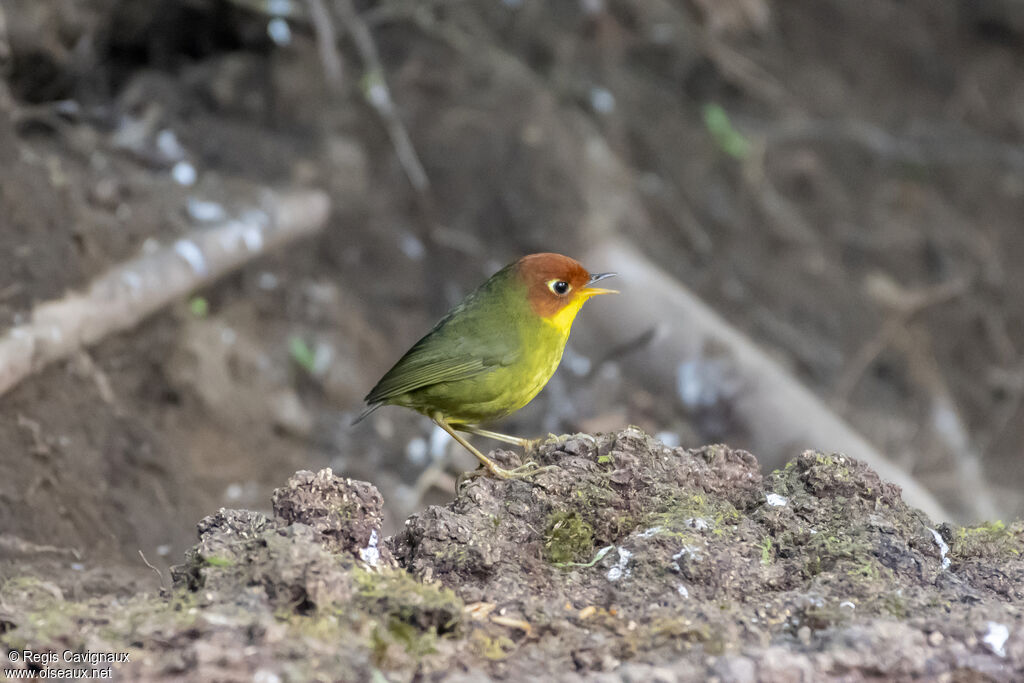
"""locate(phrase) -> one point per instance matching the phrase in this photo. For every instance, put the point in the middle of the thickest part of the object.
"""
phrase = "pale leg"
(526, 444)
(526, 470)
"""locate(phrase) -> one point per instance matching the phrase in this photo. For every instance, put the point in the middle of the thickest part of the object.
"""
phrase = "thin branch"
(378, 94)
(326, 43)
(159, 575)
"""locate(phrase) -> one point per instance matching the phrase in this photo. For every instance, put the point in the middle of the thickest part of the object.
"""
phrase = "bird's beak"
(590, 290)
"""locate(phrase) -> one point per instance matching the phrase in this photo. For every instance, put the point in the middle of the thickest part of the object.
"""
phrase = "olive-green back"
(478, 335)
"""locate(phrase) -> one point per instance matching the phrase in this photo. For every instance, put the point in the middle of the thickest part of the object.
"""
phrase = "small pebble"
(184, 173)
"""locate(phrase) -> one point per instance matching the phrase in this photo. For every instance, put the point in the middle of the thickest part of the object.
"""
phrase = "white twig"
(120, 298)
(327, 43)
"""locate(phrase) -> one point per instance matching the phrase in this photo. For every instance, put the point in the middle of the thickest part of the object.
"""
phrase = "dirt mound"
(628, 558)
(632, 550)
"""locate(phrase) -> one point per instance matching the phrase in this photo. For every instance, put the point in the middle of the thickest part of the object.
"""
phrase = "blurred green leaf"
(302, 354)
(729, 140)
(199, 307)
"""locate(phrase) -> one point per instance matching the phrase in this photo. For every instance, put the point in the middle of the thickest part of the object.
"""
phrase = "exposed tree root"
(124, 295)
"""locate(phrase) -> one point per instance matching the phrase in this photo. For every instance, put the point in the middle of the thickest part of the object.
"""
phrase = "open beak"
(591, 290)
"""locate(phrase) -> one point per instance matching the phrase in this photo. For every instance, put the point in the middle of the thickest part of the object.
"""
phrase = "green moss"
(178, 612)
(991, 539)
(679, 513)
(493, 648)
(323, 625)
(567, 537)
(680, 633)
(766, 550)
(397, 594)
(217, 561)
(895, 605)
(826, 552)
(394, 641)
(869, 570)
(42, 616)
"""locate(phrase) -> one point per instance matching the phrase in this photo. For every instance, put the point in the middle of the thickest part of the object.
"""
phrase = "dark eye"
(559, 287)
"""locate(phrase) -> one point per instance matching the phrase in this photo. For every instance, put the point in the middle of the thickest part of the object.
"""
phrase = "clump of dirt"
(627, 556)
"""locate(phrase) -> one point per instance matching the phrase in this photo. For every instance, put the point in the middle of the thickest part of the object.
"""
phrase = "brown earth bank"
(628, 560)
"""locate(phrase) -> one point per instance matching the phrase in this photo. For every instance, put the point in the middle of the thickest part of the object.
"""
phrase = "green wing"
(458, 348)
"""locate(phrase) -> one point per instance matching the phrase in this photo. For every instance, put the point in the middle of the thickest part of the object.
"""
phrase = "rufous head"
(555, 283)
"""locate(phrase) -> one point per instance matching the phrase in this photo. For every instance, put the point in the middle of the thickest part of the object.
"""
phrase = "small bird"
(491, 354)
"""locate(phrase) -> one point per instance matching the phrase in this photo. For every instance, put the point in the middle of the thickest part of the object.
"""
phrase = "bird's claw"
(522, 472)
(526, 471)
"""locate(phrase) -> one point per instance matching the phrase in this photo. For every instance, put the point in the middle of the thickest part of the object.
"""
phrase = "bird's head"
(558, 286)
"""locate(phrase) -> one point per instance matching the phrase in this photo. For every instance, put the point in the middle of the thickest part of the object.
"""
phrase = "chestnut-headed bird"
(492, 353)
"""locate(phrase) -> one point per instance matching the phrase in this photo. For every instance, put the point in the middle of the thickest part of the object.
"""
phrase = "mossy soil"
(628, 560)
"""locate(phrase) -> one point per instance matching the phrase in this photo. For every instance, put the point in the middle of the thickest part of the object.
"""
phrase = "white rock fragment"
(131, 280)
(280, 8)
(412, 247)
(439, 440)
(847, 604)
(371, 554)
(682, 590)
(253, 238)
(690, 385)
(688, 551)
(267, 281)
(279, 31)
(188, 250)
(578, 364)
(602, 100)
(995, 638)
(776, 500)
(621, 569)
(265, 676)
(416, 450)
(168, 145)
(378, 94)
(323, 354)
(205, 211)
(184, 173)
(670, 439)
(943, 547)
(654, 530)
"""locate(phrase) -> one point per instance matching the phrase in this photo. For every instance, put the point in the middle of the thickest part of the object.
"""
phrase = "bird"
(492, 353)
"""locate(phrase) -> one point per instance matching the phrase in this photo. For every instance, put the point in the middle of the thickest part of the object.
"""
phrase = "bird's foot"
(526, 471)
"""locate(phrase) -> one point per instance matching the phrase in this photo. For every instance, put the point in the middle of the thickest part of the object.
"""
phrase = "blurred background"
(842, 183)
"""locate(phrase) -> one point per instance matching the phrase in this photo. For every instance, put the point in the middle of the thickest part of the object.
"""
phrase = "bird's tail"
(369, 409)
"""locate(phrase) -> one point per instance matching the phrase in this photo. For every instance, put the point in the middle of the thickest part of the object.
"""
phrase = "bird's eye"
(559, 287)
